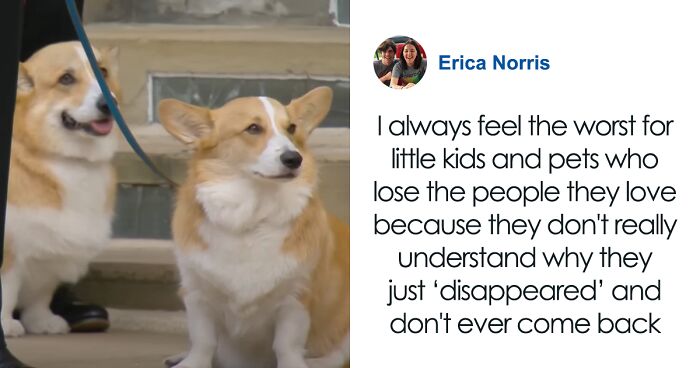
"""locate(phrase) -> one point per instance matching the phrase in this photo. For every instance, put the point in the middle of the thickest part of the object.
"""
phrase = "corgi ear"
(112, 52)
(25, 83)
(110, 56)
(186, 122)
(110, 60)
(310, 109)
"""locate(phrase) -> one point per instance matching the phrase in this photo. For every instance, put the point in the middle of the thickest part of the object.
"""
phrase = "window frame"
(328, 143)
(151, 117)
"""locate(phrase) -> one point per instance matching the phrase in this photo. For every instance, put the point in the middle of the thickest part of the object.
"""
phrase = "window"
(215, 90)
(341, 11)
(143, 211)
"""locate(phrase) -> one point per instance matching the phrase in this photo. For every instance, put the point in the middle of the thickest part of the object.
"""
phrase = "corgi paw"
(48, 323)
(12, 327)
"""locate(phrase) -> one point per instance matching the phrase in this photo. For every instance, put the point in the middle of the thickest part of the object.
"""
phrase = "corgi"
(264, 268)
(61, 184)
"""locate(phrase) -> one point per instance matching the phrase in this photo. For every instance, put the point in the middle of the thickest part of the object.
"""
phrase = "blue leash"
(80, 31)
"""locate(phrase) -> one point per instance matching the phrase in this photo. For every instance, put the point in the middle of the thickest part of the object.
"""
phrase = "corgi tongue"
(102, 127)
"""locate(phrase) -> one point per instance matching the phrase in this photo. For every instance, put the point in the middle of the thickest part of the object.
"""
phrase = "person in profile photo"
(384, 67)
(410, 68)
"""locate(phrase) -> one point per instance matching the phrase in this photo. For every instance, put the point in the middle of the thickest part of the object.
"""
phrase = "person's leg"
(46, 22)
(10, 23)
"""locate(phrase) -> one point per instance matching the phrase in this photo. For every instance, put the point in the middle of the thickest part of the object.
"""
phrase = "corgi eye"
(292, 128)
(66, 79)
(105, 72)
(253, 129)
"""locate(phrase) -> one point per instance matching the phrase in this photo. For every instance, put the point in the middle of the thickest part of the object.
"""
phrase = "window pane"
(143, 212)
(344, 11)
(214, 91)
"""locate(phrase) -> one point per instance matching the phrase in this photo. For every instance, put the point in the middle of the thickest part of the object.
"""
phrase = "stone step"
(148, 321)
(133, 274)
(113, 349)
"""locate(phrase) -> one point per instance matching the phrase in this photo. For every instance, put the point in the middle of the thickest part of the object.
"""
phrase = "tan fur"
(8, 258)
(37, 89)
(216, 144)
(330, 311)
(55, 169)
(222, 149)
(31, 184)
(187, 218)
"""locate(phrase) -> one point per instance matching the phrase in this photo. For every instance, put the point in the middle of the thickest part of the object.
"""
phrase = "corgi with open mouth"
(264, 268)
(61, 182)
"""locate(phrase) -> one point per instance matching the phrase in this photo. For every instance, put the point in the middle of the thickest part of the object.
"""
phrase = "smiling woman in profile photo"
(410, 68)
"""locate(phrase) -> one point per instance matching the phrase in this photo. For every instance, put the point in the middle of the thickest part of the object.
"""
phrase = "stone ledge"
(327, 144)
(133, 274)
(155, 321)
(114, 349)
(149, 251)
(218, 33)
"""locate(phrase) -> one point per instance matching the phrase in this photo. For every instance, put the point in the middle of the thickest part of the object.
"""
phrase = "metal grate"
(143, 212)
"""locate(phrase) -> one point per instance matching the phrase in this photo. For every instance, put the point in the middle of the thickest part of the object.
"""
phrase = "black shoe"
(7, 360)
(81, 317)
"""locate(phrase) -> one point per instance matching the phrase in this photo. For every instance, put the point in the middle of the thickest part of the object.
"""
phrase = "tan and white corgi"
(265, 269)
(61, 184)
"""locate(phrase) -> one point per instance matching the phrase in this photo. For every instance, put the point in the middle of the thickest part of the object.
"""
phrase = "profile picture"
(400, 62)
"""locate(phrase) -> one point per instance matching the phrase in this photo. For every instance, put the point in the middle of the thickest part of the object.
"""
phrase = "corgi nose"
(291, 159)
(102, 106)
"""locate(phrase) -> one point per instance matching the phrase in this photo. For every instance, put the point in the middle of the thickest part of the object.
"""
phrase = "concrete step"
(148, 321)
(114, 349)
(133, 274)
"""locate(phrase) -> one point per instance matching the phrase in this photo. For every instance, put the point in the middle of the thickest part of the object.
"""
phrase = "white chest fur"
(245, 228)
(85, 185)
(79, 228)
(241, 268)
(244, 205)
